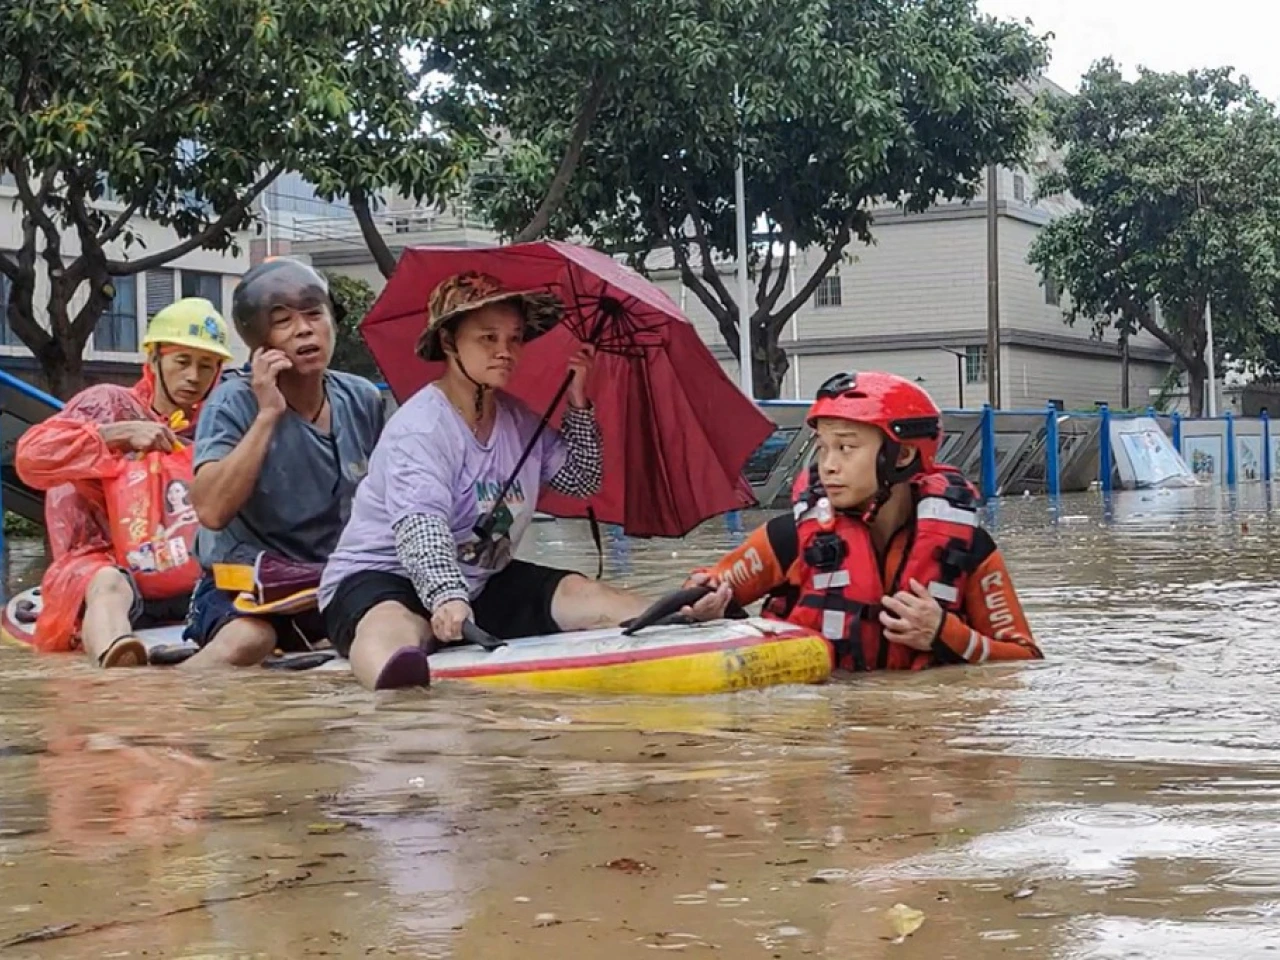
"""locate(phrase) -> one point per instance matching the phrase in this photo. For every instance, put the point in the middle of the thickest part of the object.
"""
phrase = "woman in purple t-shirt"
(409, 567)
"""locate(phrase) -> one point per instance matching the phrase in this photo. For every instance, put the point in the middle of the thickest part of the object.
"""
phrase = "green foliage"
(188, 109)
(354, 298)
(20, 527)
(1179, 178)
(844, 103)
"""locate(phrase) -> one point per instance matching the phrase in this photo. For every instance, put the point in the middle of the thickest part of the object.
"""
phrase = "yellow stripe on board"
(801, 660)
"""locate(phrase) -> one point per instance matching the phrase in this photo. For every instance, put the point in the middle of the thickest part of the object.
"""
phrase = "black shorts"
(516, 602)
(145, 613)
(211, 609)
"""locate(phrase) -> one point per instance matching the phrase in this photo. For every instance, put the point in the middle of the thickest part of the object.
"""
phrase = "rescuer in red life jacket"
(882, 553)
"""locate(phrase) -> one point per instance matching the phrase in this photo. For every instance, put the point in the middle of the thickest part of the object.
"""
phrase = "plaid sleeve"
(427, 551)
(583, 471)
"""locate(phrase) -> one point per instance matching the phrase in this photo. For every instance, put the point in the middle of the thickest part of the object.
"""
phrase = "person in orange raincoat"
(883, 553)
(87, 598)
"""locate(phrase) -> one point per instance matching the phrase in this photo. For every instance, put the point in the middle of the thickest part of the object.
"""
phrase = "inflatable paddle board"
(722, 656)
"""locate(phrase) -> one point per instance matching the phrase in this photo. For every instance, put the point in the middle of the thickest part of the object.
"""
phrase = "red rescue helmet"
(904, 412)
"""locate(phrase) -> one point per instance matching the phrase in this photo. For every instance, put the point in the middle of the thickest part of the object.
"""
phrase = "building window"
(975, 364)
(7, 337)
(117, 329)
(159, 291)
(1052, 295)
(829, 293)
(206, 285)
(1019, 188)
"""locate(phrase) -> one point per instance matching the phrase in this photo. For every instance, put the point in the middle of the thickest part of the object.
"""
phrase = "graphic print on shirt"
(495, 553)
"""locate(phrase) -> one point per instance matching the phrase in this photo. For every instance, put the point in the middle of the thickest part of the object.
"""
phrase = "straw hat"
(464, 292)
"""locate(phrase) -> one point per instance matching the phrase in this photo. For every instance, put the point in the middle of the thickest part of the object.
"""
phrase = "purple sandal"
(406, 668)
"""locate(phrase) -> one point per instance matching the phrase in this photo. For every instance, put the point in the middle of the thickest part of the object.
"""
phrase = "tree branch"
(788, 225)
(725, 318)
(373, 239)
(709, 272)
(765, 267)
(780, 319)
(8, 267)
(123, 268)
(113, 232)
(568, 163)
(86, 230)
(34, 203)
(1148, 323)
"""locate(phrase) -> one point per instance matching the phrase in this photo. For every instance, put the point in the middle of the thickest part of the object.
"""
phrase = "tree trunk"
(62, 368)
(568, 163)
(769, 364)
(1195, 390)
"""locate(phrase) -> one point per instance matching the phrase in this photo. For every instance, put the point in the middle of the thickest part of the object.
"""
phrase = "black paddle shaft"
(665, 606)
(472, 633)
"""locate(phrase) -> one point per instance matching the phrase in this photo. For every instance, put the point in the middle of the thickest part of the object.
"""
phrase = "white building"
(112, 353)
(913, 303)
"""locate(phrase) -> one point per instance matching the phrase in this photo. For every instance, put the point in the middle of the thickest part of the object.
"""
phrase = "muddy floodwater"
(1119, 800)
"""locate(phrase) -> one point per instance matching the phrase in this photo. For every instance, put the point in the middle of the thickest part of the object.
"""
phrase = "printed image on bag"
(153, 525)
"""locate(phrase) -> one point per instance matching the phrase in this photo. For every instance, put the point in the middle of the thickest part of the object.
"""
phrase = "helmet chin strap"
(164, 386)
(889, 475)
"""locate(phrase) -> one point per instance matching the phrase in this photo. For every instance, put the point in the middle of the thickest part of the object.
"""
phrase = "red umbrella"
(677, 432)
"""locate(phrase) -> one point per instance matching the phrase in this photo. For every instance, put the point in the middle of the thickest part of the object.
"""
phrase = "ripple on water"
(1140, 754)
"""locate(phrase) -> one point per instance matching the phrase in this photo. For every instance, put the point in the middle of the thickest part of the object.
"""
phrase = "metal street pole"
(1212, 399)
(993, 288)
(744, 306)
(1211, 386)
(1124, 371)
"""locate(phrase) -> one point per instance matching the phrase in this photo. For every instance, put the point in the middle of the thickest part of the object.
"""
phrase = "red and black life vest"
(840, 586)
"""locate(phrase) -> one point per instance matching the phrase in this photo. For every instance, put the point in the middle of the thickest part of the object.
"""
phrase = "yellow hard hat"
(191, 322)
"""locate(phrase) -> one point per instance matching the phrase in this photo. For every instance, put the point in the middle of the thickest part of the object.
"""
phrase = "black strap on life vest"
(849, 645)
(826, 554)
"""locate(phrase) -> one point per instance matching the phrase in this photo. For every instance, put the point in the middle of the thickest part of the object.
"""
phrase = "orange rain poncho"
(66, 457)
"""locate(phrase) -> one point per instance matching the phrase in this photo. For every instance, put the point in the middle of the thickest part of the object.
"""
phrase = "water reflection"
(1119, 799)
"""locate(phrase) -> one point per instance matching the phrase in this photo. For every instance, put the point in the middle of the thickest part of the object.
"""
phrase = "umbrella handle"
(484, 527)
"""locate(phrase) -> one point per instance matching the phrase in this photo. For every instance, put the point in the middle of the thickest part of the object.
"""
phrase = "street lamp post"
(745, 358)
(960, 360)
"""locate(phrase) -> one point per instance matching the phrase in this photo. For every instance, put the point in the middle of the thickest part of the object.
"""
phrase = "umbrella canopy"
(677, 431)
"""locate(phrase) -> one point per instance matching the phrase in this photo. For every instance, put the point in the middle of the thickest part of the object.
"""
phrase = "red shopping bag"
(153, 525)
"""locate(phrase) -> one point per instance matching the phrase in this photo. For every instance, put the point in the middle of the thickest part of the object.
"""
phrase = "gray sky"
(1160, 34)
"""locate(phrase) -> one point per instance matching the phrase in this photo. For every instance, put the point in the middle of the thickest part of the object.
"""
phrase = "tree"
(182, 112)
(529, 64)
(1179, 180)
(844, 103)
(354, 297)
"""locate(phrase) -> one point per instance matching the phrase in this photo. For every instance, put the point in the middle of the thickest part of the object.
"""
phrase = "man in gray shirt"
(279, 453)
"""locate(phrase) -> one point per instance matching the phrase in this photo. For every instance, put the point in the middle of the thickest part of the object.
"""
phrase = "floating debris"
(628, 865)
(903, 920)
(327, 826)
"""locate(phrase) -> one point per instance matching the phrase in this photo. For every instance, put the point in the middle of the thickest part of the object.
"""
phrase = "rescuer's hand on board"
(714, 604)
(912, 618)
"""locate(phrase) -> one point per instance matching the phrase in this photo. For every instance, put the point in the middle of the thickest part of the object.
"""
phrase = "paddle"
(481, 638)
(666, 609)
